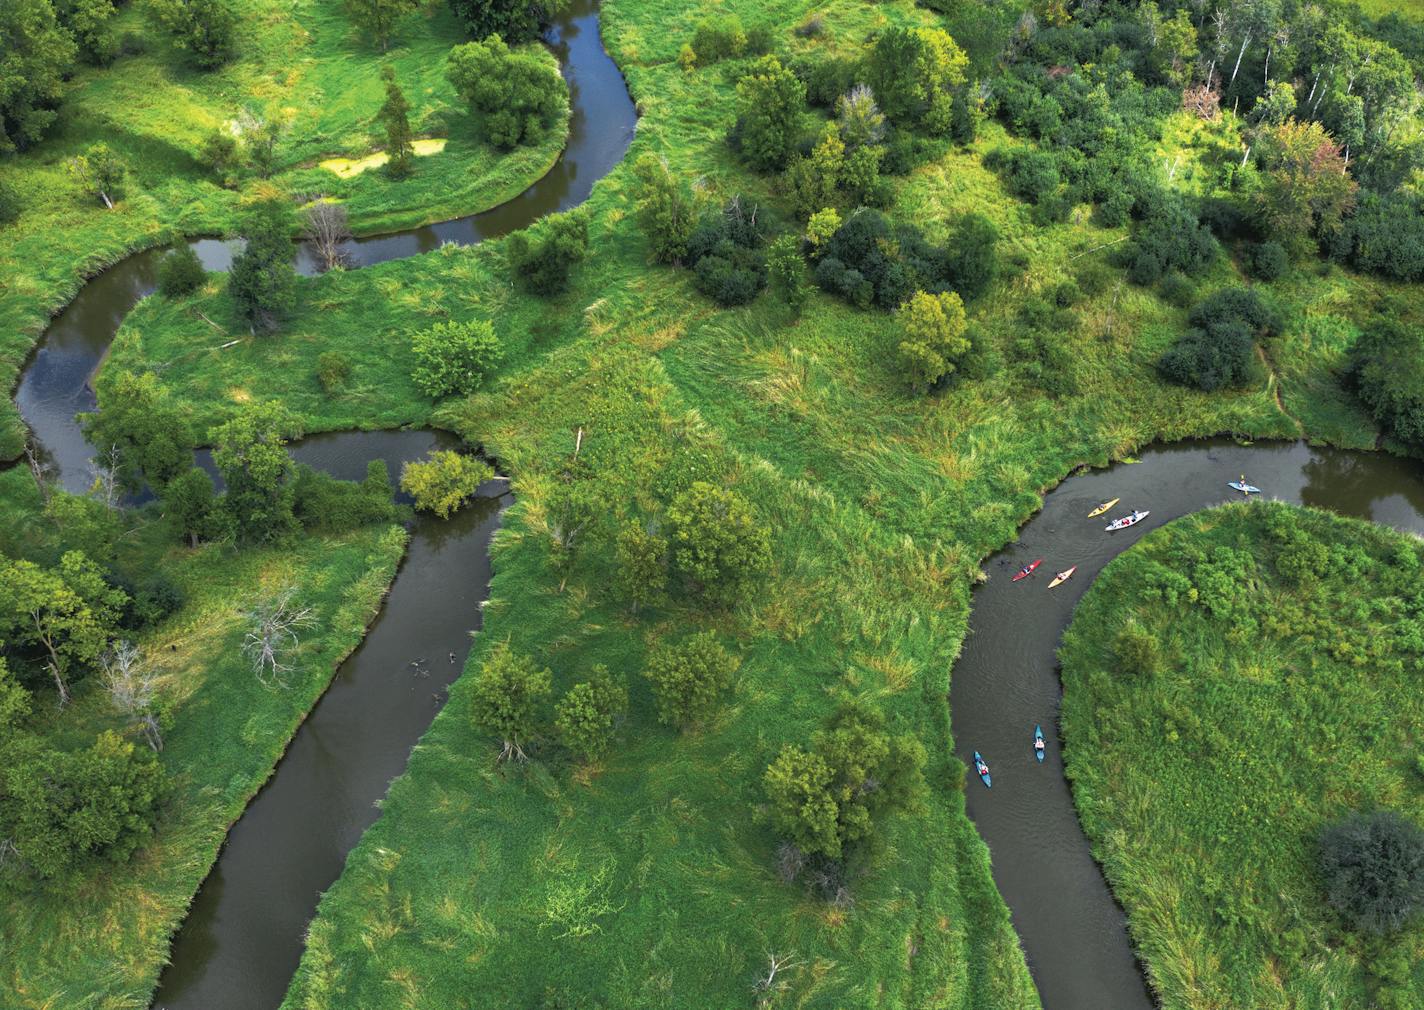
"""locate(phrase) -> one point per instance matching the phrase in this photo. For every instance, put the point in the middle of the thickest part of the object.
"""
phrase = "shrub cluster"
(725, 253)
(1217, 352)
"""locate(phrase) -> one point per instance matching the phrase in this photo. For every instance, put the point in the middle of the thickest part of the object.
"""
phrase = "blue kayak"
(982, 767)
(1243, 487)
(1038, 743)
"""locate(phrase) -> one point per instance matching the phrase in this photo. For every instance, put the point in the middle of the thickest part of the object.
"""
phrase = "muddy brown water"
(243, 937)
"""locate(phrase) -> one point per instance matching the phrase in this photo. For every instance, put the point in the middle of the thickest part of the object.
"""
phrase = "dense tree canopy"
(688, 676)
(137, 417)
(512, 20)
(35, 55)
(205, 29)
(1373, 865)
(517, 96)
(445, 481)
(1387, 371)
(834, 794)
(770, 102)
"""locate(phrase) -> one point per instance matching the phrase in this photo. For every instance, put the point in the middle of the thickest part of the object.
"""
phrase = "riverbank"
(303, 62)
(1279, 695)
(895, 499)
(99, 940)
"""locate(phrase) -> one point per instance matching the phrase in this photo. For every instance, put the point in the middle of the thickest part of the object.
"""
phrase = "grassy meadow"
(302, 62)
(98, 941)
(648, 881)
(1285, 698)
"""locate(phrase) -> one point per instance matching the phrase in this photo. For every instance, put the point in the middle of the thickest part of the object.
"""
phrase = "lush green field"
(1287, 697)
(98, 941)
(302, 61)
(648, 881)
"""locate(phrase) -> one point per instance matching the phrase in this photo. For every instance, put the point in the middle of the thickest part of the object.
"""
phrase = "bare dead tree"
(39, 469)
(104, 469)
(327, 230)
(133, 688)
(767, 986)
(273, 627)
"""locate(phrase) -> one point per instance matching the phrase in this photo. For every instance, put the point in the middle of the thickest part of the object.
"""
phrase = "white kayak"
(1244, 488)
(1126, 521)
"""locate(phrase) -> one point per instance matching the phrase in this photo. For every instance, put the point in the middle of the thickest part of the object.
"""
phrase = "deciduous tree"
(667, 208)
(99, 172)
(251, 451)
(1305, 189)
(377, 18)
(934, 341)
(454, 357)
(190, 504)
(641, 558)
(445, 481)
(687, 678)
(1373, 865)
(36, 55)
(67, 613)
(589, 712)
(718, 543)
(512, 20)
(204, 29)
(913, 72)
(770, 102)
(137, 417)
(508, 698)
(835, 794)
(516, 95)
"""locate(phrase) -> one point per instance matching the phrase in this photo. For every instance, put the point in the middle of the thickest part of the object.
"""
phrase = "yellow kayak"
(1103, 508)
(1062, 577)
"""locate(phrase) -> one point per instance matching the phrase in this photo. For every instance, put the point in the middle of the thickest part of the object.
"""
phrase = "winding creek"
(243, 936)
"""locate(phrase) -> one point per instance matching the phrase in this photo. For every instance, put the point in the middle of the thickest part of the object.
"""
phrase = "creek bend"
(242, 939)
(243, 936)
(1006, 680)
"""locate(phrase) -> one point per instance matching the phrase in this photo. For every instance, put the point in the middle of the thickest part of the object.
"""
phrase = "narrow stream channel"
(1006, 680)
(243, 937)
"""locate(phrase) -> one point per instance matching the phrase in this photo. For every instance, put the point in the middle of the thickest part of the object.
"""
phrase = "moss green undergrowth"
(1286, 696)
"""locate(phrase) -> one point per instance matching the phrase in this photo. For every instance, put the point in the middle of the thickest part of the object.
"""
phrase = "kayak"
(1027, 570)
(1037, 743)
(1244, 488)
(982, 767)
(1126, 521)
(1062, 576)
(1103, 508)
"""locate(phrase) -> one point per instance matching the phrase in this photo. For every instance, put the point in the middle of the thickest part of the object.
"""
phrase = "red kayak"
(1028, 569)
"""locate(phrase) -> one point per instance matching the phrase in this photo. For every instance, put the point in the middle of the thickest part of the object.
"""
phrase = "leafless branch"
(768, 985)
(328, 230)
(39, 469)
(273, 628)
(106, 486)
(132, 688)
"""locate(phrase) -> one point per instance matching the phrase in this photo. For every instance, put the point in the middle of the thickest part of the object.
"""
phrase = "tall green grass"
(98, 940)
(1281, 704)
(648, 881)
(301, 59)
